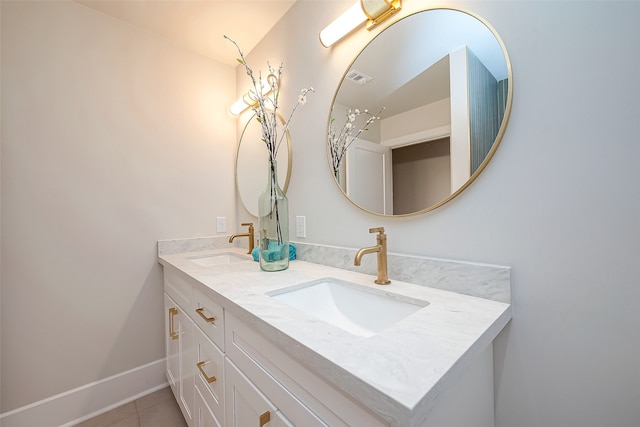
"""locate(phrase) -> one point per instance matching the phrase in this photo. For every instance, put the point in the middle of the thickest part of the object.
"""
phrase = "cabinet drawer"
(246, 405)
(209, 316)
(209, 371)
(204, 415)
(179, 288)
(293, 409)
(304, 398)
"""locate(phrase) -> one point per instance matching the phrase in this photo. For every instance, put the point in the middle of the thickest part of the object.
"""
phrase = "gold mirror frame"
(251, 179)
(496, 142)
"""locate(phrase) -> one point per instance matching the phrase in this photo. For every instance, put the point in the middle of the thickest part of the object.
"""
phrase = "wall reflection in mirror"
(438, 85)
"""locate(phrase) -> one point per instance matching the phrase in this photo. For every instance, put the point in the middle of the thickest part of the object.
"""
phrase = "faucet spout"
(364, 251)
(250, 234)
(381, 249)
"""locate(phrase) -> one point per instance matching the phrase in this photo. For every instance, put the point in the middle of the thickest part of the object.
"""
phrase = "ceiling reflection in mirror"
(419, 112)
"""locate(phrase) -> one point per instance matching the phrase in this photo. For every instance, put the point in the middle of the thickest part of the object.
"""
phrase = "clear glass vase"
(273, 220)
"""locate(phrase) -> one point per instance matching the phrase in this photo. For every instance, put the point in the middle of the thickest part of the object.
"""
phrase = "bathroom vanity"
(251, 348)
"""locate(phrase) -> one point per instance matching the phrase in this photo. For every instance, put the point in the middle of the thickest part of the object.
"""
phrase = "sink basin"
(354, 308)
(218, 259)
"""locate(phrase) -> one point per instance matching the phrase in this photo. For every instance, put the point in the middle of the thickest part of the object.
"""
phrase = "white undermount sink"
(221, 258)
(354, 308)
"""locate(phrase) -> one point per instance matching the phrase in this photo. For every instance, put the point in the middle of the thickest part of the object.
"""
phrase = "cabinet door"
(171, 344)
(245, 405)
(203, 416)
(179, 340)
(187, 364)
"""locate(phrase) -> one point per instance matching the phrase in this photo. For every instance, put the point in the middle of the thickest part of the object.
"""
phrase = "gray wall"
(559, 201)
(111, 140)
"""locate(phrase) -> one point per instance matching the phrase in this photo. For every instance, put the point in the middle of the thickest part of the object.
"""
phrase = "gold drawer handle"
(200, 311)
(265, 418)
(172, 334)
(200, 365)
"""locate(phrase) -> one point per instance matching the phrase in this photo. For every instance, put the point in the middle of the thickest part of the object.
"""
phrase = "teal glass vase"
(273, 220)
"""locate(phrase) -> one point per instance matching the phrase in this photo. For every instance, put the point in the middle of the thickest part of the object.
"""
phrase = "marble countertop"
(419, 356)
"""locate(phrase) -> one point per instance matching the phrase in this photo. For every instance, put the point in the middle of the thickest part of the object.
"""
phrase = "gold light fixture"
(372, 11)
(244, 102)
(250, 99)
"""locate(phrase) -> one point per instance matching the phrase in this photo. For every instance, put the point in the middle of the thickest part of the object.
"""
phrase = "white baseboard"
(82, 403)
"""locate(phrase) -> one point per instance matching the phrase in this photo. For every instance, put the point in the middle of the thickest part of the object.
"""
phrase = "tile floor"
(158, 409)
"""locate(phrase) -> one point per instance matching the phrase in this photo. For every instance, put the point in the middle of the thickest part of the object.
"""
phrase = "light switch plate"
(301, 226)
(221, 224)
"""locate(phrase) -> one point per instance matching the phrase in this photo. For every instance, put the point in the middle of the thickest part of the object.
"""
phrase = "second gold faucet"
(250, 234)
(381, 249)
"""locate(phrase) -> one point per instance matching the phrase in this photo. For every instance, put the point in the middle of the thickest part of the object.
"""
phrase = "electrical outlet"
(301, 226)
(221, 224)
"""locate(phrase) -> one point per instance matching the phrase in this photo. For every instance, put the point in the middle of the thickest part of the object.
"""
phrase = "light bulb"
(344, 24)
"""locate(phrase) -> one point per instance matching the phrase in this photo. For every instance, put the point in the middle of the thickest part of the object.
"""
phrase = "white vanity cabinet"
(236, 359)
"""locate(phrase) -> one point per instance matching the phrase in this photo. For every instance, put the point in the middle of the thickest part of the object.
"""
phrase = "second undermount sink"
(354, 308)
(221, 258)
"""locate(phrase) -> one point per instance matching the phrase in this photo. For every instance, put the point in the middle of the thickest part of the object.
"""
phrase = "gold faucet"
(381, 249)
(249, 234)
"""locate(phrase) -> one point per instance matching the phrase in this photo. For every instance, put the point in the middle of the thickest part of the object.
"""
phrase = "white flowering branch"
(339, 142)
(264, 95)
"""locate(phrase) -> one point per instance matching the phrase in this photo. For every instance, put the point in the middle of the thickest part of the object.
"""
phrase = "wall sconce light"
(242, 104)
(250, 99)
(372, 11)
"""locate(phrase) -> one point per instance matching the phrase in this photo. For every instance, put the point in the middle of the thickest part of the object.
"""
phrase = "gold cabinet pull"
(265, 418)
(172, 334)
(206, 377)
(200, 311)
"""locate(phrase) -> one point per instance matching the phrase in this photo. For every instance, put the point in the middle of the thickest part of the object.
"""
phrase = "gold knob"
(265, 418)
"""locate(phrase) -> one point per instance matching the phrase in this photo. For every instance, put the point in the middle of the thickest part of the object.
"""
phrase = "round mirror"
(419, 112)
(252, 163)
